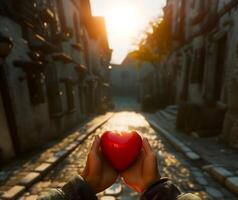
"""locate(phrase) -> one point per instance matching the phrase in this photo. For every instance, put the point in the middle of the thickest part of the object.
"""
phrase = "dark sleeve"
(162, 189)
(75, 189)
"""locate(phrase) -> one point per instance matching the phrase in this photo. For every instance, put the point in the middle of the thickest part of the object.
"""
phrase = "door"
(6, 146)
(9, 143)
(220, 67)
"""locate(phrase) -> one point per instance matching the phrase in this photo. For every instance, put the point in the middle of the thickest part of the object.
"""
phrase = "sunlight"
(126, 21)
(122, 19)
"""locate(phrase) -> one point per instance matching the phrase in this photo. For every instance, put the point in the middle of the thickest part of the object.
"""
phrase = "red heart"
(121, 148)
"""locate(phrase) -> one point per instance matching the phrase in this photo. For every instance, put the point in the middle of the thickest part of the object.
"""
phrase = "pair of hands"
(100, 175)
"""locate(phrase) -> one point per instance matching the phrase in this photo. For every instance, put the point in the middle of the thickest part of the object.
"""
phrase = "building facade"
(200, 71)
(46, 70)
(124, 79)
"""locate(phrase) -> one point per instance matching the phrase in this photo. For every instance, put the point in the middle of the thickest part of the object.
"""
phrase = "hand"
(144, 171)
(98, 173)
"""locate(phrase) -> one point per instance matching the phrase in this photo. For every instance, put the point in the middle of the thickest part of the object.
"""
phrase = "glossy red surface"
(121, 148)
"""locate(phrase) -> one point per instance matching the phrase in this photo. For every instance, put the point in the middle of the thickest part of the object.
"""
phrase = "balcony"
(63, 58)
(43, 45)
(80, 67)
(47, 15)
(77, 46)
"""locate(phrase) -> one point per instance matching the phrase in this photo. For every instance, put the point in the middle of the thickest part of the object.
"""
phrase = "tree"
(156, 44)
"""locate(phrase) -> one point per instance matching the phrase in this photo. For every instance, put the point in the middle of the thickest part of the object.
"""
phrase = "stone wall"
(47, 72)
(206, 54)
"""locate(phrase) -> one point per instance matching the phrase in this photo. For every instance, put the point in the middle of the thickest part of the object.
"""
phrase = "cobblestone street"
(189, 177)
(73, 70)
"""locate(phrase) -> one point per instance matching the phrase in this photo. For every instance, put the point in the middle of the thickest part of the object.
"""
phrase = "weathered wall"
(6, 146)
(61, 81)
(19, 89)
(229, 25)
(204, 58)
(124, 81)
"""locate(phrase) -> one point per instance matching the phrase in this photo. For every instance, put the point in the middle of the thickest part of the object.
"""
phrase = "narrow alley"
(188, 175)
(71, 70)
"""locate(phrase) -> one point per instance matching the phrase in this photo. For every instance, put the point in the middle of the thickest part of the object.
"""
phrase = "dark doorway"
(219, 70)
(184, 94)
(7, 104)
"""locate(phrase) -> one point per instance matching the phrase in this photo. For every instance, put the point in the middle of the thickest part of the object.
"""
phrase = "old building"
(46, 69)
(124, 79)
(134, 79)
(99, 59)
(200, 71)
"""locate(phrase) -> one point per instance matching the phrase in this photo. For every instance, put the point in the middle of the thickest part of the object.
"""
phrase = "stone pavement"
(16, 177)
(187, 175)
(210, 148)
(221, 160)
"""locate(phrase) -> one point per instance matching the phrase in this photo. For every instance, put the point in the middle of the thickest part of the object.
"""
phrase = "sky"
(126, 21)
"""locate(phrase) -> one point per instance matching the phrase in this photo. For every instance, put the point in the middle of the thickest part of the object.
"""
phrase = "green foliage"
(156, 44)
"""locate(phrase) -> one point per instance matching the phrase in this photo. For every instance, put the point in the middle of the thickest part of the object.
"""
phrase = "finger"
(95, 145)
(146, 146)
(85, 170)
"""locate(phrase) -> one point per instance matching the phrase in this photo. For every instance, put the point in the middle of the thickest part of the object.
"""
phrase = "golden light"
(122, 19)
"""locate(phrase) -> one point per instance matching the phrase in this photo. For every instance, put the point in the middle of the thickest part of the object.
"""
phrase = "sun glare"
(122, 19)
(126, 22)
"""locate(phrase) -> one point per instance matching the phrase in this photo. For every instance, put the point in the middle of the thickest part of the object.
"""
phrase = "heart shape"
(121, 148)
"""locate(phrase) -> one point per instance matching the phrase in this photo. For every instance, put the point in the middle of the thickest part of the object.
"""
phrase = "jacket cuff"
(162, 189)
(78, 189)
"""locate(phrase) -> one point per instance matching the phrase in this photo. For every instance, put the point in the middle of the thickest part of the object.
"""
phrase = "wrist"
(77, 186)
(164, 187)
(90, 183)
(150, 182)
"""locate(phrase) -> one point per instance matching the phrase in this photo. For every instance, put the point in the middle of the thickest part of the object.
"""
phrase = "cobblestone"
(53, 160)
(115, 189)
(3, 176)
(172, 164)
(108, 198)
(13, 192)
(202, 181)
(19, 169)
(192, 156)
(175, 142)
(214, 192)
(30, 197)
(30, 178)
(43, 168)
(232, 184)
(220, 174)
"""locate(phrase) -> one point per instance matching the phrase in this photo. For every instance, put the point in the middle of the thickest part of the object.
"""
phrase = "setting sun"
(126, 21)
(122, 19)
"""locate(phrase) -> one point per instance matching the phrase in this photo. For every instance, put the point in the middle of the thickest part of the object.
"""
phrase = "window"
(76, 26)
(61, 14)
